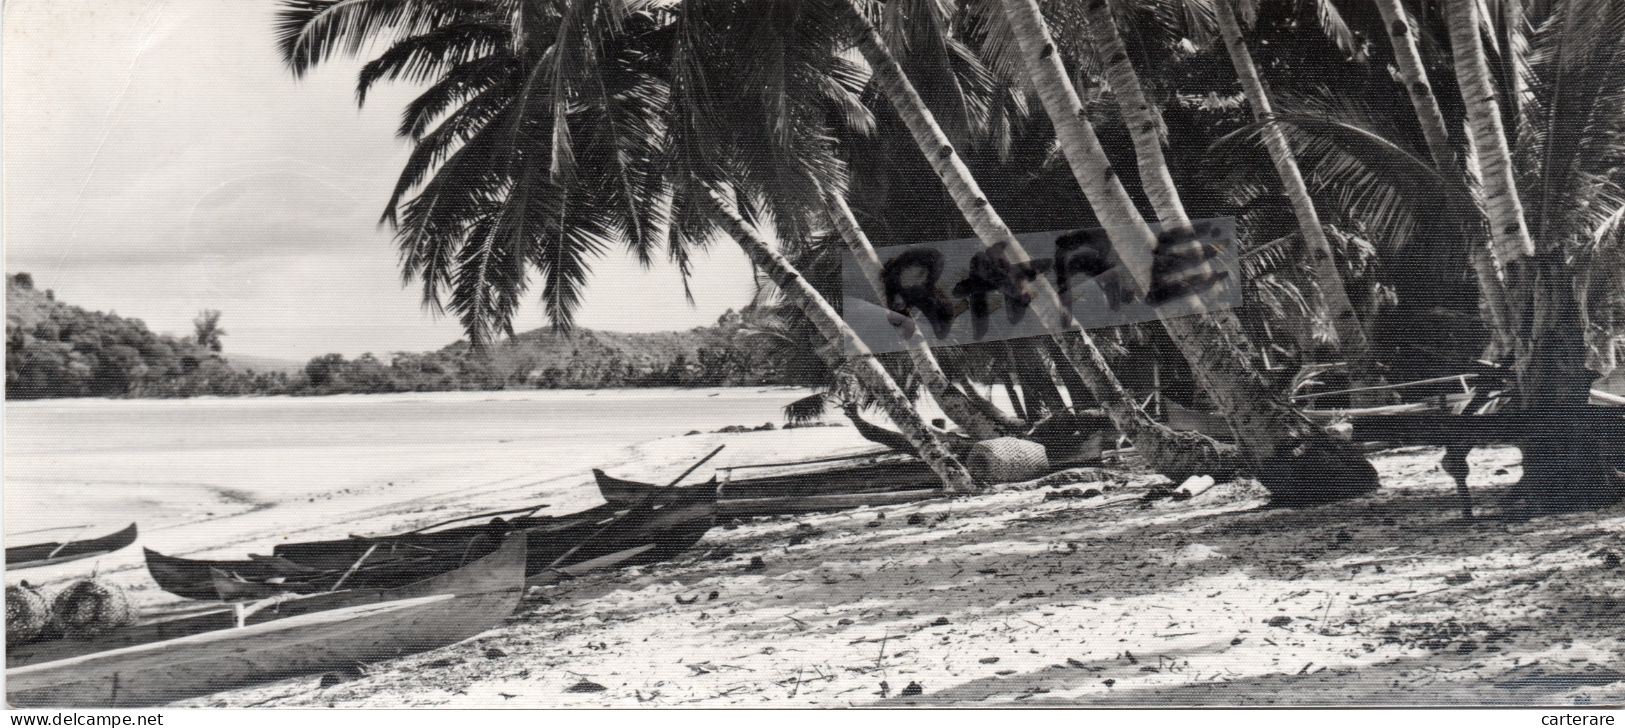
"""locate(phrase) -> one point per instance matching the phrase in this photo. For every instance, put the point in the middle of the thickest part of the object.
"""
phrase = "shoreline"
(1015, 599)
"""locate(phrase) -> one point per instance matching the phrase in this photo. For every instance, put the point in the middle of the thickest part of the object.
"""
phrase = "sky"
(159, 160)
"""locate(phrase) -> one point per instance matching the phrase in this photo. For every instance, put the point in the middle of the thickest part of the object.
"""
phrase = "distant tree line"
(58, 350)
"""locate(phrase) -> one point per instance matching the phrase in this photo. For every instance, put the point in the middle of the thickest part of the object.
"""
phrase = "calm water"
(169, 462)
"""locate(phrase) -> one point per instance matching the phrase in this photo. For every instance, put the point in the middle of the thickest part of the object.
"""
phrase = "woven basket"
(1007, 459)
(27, 614)
(90, 607)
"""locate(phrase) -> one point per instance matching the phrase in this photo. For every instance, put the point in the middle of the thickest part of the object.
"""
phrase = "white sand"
(1000, 599)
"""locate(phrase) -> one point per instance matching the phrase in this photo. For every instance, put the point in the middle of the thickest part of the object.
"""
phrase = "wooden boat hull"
(23, 557)
(498, 571)
(284, 646)
(604, 537)
(896, 483)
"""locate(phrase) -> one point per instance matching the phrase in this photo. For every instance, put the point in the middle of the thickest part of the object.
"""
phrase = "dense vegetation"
(58, 350)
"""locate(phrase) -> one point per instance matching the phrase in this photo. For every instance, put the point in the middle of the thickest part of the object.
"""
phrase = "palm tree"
(1508, 229)
(1560, 242)
(1173, 453)
(1544, 162)
(207, 331)
(1327, 277)
(1402, 34)
(1218, 351)
(954, 402)
(552, 117)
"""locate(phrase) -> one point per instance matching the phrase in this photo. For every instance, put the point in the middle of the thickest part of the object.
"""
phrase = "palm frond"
(433, 54)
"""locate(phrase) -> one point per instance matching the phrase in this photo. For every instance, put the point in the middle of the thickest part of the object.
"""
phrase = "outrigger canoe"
(23, 557)
(222, 649)
(602, 537)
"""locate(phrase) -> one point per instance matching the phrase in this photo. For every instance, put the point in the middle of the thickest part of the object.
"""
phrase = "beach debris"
(1075, 662)
(1458, 579)
(1070, 493)
(1280, 621)
(443, 662)
(1193, 486)
(915, 519)
(342, 675)
(844, 621)
(495, 653)
(1005, 672)
(940, 622)
(988, 660)
(712, 596)
(1610, 559)
(756, 564)
(912, 690)
(1159, 491)
(585, 686)
(690, 600)
(1108, 682)
(91, 607)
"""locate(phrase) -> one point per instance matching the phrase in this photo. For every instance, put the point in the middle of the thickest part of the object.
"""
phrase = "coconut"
(27, 613)
(89, 607)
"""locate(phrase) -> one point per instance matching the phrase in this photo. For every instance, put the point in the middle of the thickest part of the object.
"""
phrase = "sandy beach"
(1008, 598)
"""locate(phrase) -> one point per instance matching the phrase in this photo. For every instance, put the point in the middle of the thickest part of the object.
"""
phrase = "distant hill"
(250, 362)
(58, 350)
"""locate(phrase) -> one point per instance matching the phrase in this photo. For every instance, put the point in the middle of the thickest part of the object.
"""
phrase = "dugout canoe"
(317, 638)
(867, 485)
(604, 537)
(393, 561)
(497, 571)
(42, 554)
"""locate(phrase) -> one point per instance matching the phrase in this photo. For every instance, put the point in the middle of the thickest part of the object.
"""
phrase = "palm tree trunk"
(1333, 296)
(1279, 440)
(1015, 396)
(1173, 454)
(1075, 389)
(841, 342)
(948, 396)
(1436, 131)
(1508, 230)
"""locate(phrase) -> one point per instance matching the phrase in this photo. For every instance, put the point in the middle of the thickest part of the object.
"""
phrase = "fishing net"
(1007, 459)
(90, 607)
(27, 613)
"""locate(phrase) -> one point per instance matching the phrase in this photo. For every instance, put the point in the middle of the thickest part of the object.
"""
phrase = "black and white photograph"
(814, 354)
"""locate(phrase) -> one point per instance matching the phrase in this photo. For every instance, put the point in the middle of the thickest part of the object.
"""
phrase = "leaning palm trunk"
(1501, 202)
(1174, 454)
(841, 342)
(1561, 439)
(948, 396)
(1335, 299)
(1413, 74)
(1280, 441)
